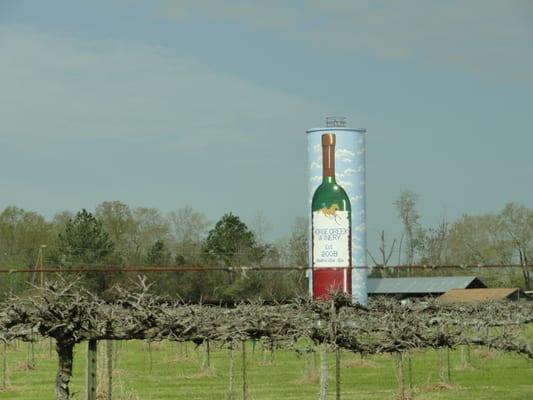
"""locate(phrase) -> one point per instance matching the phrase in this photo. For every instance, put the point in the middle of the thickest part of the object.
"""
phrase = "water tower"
(329, 266)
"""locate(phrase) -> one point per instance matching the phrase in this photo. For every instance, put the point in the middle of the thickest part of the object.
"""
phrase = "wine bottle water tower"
(351, 176)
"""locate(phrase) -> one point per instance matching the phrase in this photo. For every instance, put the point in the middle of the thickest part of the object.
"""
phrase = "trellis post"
(231, 387)
(4, 365)
(244, 373)
(323, 382)
(109, 357)
(91, 369)
(338, 373)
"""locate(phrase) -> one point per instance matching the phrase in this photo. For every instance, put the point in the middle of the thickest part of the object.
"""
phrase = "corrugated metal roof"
(440, 284)
(473, 295)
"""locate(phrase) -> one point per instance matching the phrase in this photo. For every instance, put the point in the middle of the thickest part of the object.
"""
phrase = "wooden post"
(338, 374)
(32, 349)
(91, 369)
(208, 354)
(410, 366)
(442, 371)
(109, 356)
(4, 365)
(323, 393)
(231, 385)
(244, 373)
(150, 355)
(449, 365)
(401, 379)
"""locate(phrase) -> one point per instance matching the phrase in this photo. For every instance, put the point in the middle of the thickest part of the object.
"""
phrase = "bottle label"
(331, 238)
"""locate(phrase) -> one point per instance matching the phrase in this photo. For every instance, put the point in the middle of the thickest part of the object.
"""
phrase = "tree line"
(116, 235)
(494, 238)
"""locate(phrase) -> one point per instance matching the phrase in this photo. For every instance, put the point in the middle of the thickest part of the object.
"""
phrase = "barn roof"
(421, 285)
(473, 295)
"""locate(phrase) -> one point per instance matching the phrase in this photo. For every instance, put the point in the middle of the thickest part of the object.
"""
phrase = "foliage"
(21, 234)
(84, 242)
(158, 255)
(231, 243)
(117, 220)
(298, 242)
(188, 229)
(150, 225)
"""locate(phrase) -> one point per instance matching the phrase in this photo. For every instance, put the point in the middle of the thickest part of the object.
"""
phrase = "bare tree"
(298, 242)
(385, 253)
(150, 226)
(517, 222)
(410, 217)
(117, 219)
(188, 228)
(435, 244)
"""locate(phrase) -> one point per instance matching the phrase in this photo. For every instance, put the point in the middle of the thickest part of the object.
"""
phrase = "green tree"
(231, 243)
(479, 239)
(158, 255)
(84, 242)
(21, 235)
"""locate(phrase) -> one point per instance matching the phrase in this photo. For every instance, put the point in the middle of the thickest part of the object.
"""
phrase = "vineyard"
(66, 312)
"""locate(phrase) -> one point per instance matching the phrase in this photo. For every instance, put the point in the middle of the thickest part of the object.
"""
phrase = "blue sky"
(205, 103)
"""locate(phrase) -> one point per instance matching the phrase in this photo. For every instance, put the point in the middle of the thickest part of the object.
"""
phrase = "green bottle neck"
(329, 180)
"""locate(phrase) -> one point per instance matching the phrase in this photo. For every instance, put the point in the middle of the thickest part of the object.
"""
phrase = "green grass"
(165, 372)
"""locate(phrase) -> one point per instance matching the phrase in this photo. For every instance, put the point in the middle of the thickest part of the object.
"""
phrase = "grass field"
(170, 371)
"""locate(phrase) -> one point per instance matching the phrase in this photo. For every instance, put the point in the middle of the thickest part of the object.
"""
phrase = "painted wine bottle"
(331, 229)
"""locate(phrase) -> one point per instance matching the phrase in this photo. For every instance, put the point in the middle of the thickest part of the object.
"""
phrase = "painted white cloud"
(345, 184)
(344, 155)
(356, 199)
(357, 247)
(351, 171)
(315, 165)
(348, 172)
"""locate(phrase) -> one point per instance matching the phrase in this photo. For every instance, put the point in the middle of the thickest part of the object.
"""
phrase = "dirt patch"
(485, 353)
(360, 363)
(206, 373)
(153, 346)
(440, 386)
(309, 377)
(466, 367)
(25, 367)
